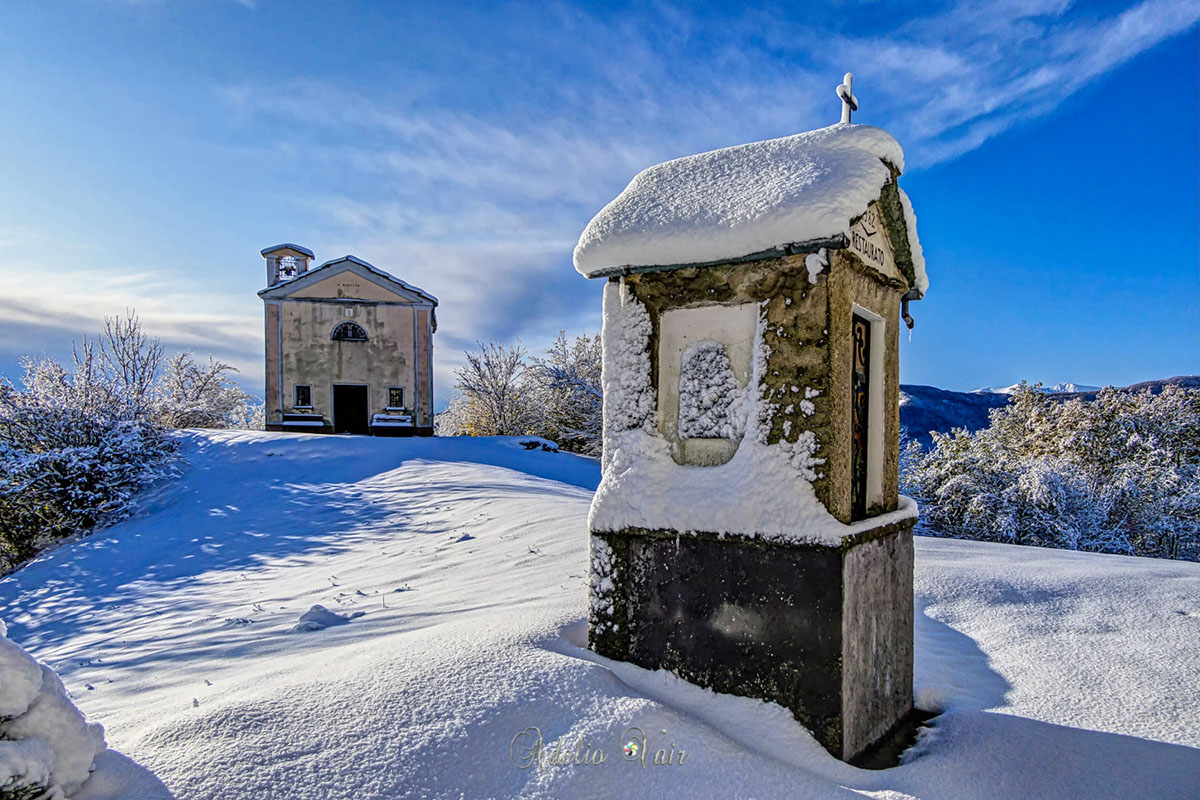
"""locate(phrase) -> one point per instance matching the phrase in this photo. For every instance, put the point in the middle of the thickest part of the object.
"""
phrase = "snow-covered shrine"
(747, 533)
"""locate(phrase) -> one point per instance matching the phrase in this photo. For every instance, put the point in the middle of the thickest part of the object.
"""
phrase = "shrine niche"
(705, 360)
(747, 533)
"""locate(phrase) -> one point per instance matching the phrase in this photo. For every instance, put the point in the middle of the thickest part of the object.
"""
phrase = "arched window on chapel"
(348, 332)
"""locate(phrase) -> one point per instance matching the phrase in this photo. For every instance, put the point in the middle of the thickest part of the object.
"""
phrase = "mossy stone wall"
(850, 283)
(796, 322)
(807, 332)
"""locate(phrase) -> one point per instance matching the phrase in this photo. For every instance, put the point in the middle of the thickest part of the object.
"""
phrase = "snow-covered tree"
(568, 393)
(493, 382)
(77, 442)
(1120, 474)
(189, 395)
(456, 420)
(910, 455)
(131, 360)
(558, 396)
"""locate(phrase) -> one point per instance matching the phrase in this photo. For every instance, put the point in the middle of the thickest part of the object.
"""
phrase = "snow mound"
(318, 618)
(22, 677)
(47, 747)
(44, 740)
(747, 199)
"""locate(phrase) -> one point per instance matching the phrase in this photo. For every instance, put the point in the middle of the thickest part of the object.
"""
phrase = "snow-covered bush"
(77, 442)
(1119, 474)
(75, 446)
(47, 748)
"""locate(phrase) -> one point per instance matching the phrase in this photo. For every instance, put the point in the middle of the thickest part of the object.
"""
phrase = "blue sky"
(149, 149)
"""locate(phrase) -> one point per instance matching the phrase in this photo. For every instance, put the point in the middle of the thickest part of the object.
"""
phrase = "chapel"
(349, 347)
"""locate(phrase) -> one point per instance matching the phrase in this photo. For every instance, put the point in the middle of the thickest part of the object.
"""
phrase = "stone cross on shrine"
(849, 101)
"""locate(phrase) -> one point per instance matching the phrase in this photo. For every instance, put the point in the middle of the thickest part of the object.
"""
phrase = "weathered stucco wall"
(311, 357)
(271, 394)
(422, 368)
(351, 286)
(398, 352)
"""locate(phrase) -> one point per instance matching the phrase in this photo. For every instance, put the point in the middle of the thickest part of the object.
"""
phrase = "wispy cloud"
(950, 82)
(42, 311)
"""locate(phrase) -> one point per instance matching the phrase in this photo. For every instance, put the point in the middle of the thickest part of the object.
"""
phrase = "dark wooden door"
(350, 409)
(860, 397)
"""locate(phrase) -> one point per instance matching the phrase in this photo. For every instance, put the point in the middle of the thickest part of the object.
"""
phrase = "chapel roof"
(287, 246)
(345, 263)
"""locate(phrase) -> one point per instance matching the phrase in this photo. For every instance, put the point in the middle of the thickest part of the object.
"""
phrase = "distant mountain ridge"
(1058, 388)
(927, 408)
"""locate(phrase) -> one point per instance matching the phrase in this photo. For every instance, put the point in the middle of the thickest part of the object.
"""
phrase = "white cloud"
(483, 208)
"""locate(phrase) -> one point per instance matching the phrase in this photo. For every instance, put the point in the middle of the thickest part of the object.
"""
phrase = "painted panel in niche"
(705, 359)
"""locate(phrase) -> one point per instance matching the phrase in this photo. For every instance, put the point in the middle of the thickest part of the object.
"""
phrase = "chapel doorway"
(350, 411)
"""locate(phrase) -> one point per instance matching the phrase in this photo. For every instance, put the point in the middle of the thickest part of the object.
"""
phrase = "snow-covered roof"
(745, 200)
(285, 246)
(320, 273)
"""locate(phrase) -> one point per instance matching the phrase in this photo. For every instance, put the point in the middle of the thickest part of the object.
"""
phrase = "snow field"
(1059, 674)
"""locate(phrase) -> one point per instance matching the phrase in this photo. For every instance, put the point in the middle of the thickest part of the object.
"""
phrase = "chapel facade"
(349, 348)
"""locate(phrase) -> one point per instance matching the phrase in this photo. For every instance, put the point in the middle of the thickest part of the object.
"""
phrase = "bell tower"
(285, 262)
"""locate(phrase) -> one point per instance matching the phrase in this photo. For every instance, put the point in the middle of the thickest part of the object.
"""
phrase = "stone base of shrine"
(825, 631)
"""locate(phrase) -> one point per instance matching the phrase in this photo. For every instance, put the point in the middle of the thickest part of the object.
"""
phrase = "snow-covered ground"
(1059, 674)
